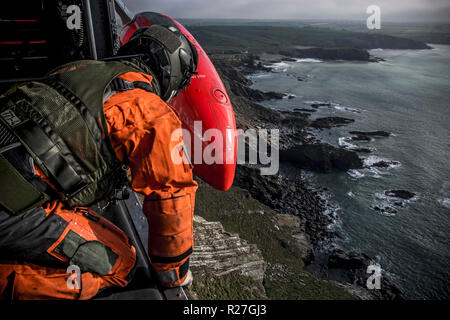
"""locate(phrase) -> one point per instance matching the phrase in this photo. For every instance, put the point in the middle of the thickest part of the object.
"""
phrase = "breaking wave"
(372, 160)
(445, 202)
(310, 60)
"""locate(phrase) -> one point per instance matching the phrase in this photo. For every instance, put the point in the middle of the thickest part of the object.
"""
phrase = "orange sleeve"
(140, 126)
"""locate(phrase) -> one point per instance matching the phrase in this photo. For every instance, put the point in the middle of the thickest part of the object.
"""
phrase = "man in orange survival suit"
(37, 246)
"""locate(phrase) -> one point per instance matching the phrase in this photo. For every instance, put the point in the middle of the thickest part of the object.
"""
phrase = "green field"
(273, 39)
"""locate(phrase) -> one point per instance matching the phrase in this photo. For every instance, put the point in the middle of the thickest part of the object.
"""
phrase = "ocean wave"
(289, 95)
(384, 208)
(389, 205)
(318, 102)
(310, 60)
(344, 143)
(445, 202)
(355, 174)
(347, 109)
(373, 160)
(258, 75)
(278, 66)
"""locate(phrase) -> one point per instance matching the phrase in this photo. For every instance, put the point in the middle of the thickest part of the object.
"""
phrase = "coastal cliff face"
(223, 252)
(253, 253)
(223, 257)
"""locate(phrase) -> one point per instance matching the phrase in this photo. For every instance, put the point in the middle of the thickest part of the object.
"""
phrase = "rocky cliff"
(270, 226)
(222, 252)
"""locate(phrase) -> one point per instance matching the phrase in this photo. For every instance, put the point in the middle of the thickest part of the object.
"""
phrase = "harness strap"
(119, 84)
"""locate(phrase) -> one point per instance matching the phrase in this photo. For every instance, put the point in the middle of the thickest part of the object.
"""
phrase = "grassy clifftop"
(258, 224)
(271, 39)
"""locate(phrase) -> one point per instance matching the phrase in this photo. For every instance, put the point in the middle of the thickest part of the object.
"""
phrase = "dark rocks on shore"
(362, 150)
(321, 158)
(351, 260)
(305, 110)
(351, 267)
(317, 105)
(287, 197)
(329, 122)
(402, 194)
(329, 53)
(253, 94)
(251, 64)
(361, 138)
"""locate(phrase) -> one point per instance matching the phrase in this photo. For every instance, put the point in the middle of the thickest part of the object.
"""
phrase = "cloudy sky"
(391, 10)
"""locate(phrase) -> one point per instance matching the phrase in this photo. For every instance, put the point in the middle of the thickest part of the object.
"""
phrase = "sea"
(407, 95)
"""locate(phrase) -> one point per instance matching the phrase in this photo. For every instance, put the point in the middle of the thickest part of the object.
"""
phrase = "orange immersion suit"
(140, 127)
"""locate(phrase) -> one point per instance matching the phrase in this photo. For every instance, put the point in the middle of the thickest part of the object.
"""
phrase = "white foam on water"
(343, 142)
(381, 205)
(332, 104)
(310, 60)
(355, 174)
(258, 76)
(376, 173)
(287, 95)
(347, 109)
(445, 202)
(278, 66)
(373, 159)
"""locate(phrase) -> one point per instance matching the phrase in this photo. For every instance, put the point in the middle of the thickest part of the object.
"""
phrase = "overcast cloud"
(391, 10)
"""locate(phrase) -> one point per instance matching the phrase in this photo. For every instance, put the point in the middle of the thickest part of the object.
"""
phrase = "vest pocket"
(94, 256)
(89, 256)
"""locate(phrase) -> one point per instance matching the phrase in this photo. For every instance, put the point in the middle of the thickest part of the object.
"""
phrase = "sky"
(391, 10)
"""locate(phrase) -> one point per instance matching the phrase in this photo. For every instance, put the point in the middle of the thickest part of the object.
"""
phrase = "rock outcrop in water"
(371, 133)
(322, 158)
(330, 122)
(402, 194)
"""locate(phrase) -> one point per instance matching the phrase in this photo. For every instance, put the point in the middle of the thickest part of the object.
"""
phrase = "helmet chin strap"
(173, 94)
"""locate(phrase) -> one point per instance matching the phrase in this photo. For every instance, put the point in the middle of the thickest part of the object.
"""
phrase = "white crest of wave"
(308, 60)
(445, 202)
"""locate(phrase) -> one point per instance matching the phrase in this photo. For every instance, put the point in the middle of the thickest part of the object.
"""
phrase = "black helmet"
(168, 53)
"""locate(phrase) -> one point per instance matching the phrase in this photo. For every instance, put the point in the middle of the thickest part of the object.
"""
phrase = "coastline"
(294, 198)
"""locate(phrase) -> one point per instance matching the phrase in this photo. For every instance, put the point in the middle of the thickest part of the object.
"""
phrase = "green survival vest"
(60, 122)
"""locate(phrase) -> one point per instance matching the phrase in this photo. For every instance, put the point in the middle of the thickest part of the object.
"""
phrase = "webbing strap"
(20, 197)
(119, 84)
(165, 36)
(46, 146)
